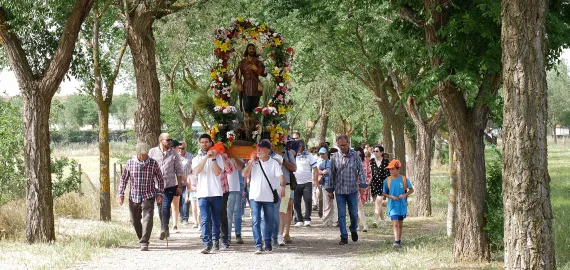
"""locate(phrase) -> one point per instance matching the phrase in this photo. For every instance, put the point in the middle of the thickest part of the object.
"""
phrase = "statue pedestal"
(240, 149)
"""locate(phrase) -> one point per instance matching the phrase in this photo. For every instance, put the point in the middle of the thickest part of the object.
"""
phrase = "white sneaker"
(280, 240)
(299, 224)
(308, 223)
(384, 222)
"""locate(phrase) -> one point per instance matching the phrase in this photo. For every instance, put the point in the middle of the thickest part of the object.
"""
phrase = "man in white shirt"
(306, 175)
(265, 175)
(208, 166)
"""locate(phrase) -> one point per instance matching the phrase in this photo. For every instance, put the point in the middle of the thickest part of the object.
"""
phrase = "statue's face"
(251, 51)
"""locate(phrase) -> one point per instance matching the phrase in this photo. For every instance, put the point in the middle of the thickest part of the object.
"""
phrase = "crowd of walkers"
(281, 189)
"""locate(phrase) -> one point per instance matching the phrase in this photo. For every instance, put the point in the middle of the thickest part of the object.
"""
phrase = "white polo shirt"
(209, 185)
(233, 178)
(259, 188)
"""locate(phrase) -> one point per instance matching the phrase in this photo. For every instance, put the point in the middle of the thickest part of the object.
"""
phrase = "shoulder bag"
(275, 195)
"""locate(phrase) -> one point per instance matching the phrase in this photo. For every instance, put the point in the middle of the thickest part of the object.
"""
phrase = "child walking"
(397, 188)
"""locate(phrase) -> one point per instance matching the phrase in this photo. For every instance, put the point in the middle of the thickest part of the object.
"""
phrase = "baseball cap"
(264, 144)
(394, 164)
(175, 143)
(322, 150)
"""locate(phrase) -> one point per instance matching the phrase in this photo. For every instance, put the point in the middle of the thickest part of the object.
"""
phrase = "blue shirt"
(325, 165)
(399, 207)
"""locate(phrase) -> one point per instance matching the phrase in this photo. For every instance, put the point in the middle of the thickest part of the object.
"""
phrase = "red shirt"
(142, 176)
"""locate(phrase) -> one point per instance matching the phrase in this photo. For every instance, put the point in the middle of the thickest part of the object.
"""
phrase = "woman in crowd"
(363, 196)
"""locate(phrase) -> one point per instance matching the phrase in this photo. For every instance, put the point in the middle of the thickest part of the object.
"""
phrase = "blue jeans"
(184, 206)
(210, 210)
(256, 208)
(342, 200)
(275, 228)
(234, 212)
(167, 197)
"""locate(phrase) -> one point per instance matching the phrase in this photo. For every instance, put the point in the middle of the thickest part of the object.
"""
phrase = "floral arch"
(276, 55)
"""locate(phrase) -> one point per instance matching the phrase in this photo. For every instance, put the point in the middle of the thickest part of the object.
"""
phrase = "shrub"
(76, 206)
(12, 178)
(12, 215)
(494, 225)
(64, 185)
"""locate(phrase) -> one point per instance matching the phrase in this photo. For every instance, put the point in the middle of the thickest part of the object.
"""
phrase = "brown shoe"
(287, 239)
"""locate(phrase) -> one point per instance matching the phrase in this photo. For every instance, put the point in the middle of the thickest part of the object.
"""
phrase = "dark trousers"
(304, 192)
(164, 210)
(224, 234)
(184, 206)
(144, 211)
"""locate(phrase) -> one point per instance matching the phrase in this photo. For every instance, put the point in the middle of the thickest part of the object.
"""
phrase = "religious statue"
(250, 88)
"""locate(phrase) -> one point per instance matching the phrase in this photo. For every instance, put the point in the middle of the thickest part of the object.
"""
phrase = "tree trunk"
(400, 140)
(436, 157)
(37, 91)
(452, 201)
(39, 203)
(421, 172)
(471, 242)
(143, 48)
(104, 177)
(387, 134)
(103, 114)
(529, 243)
(323, 127)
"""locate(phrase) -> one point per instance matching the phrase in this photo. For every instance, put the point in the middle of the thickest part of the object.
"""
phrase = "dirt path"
(314, 247)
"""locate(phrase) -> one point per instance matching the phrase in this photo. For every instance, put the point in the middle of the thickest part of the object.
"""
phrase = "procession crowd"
(281, 189)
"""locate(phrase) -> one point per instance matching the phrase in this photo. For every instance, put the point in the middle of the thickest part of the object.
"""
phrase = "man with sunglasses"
(171, 168)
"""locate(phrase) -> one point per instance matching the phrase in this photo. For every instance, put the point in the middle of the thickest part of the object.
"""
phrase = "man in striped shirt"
(144, 174)
(346, 170)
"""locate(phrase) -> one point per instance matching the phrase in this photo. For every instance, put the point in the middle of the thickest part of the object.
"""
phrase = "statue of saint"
(250, 88)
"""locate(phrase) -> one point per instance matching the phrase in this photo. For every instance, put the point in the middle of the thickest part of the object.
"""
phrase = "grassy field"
(426, 243)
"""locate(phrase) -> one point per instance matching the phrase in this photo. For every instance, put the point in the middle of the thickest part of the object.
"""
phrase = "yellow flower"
(268, 45)
(282, 110)
(276, 72)
(277, 41)
(222, 69)
(214, 75)
(253, 34)
(240, 29)
(220, 102)
(225, 46)
(218, 43)
(262, 28)
(286, 76)
(240, 19)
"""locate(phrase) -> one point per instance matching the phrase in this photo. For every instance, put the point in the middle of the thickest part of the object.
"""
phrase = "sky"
(9, 84)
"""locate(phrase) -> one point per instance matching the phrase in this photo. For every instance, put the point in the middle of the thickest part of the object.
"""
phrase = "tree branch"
(16, 55)
(408, 14)
(165, 11)
(61, 60)
(361, 42)
(111, 82)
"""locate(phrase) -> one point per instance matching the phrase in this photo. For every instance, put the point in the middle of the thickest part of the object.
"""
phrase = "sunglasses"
(168, 140)
(181, 148)
(376, 151)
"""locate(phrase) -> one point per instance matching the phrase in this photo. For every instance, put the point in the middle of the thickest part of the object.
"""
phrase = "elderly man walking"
(171, 168)
(145, 175)
(346, 171)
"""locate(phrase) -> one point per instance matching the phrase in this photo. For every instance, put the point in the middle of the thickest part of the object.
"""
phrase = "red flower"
(258, 109)
(233, 50)
(265, 111)
(230, 139)
(289, 49)
(279, 79)
(223, 96)
(225, 75)
(225, 64)
(271, 55)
